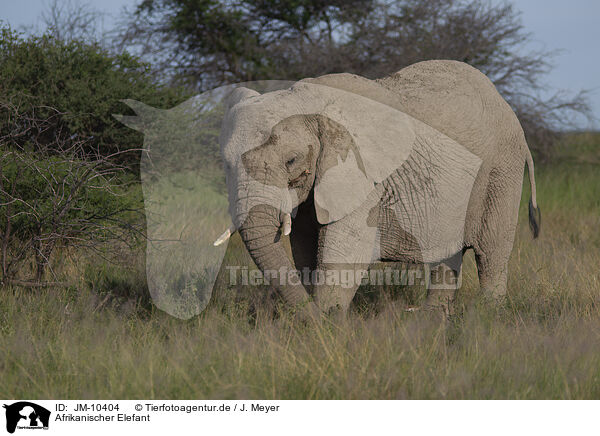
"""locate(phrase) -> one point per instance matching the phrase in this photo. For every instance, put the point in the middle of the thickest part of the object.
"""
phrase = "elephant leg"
(443, 284)
(336, 284)
(498, 227)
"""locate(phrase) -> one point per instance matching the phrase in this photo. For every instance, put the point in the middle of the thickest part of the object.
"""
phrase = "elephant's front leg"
(346, 249)
(443, 284)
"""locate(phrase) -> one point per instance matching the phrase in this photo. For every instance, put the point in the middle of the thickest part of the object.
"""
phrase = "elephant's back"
(450, 96)
(458, 100)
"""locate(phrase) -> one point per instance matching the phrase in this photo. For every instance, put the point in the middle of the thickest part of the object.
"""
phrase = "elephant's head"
(281, 147)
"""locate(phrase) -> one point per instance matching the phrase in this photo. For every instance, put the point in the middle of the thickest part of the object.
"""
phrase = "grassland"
(102, 338)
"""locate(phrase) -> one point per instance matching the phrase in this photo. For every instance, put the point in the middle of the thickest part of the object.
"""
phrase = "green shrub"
(43, 188)
(76, 87)
(52, 201)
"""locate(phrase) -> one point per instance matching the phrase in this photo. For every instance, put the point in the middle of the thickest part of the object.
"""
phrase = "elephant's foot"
(308, 313)
(494, 291)
(333, 303)
(336, 285)
(441, 300)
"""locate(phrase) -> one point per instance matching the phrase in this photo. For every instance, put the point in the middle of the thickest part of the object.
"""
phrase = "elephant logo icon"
(292, 144)
(183, 200)
(26, 415)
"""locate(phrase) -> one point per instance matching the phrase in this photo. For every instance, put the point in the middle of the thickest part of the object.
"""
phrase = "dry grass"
(100, 339)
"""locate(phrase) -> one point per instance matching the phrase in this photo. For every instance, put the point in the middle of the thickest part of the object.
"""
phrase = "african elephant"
(418, 166)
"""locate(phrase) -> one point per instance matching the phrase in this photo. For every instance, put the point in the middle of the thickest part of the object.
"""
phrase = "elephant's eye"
(290, 162)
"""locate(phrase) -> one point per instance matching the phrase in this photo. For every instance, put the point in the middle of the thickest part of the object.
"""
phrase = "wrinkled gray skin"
(466, 137)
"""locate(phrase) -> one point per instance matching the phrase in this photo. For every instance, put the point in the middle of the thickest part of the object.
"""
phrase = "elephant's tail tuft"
(535, 216)
(535, 219)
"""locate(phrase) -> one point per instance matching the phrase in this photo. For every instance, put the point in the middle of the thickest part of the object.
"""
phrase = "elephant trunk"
(261, 235)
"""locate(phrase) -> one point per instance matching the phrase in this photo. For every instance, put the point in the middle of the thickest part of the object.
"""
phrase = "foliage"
(214, 42)
(34, 181)
(76, 87)
(58, 195)
(70, 20)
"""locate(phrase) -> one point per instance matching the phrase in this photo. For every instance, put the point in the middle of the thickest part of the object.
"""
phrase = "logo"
(26, 415)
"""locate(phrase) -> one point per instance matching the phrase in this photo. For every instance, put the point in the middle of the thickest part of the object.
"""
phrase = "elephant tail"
(535, 216)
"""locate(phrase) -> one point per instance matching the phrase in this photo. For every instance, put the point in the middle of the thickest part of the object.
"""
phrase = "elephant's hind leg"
(497, 233)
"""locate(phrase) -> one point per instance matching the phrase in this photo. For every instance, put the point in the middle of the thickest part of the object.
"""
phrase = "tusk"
(224, 237)
(287, 224)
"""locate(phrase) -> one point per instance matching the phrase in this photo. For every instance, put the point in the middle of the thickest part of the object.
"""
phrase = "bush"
(35, 183)
(75, 87)
(216, 42)
(59, 195)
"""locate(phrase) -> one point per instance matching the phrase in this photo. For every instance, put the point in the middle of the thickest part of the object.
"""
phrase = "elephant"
(418, 166)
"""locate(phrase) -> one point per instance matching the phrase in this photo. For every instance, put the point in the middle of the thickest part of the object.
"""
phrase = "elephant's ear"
(341, 183)
(365, 142)
(359, 149)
